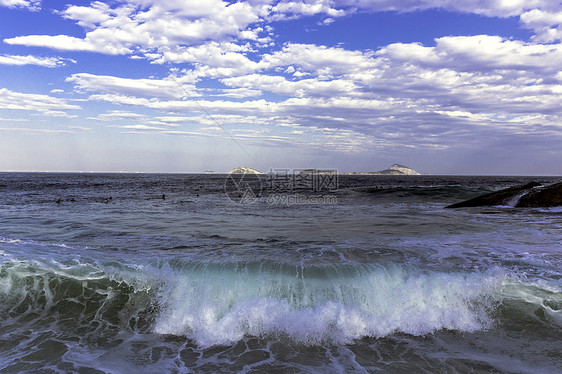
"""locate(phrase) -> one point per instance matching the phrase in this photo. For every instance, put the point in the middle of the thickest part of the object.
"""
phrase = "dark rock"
(501, 197)
(548, 196)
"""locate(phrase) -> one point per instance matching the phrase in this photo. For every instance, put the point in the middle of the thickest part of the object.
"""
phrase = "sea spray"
(220, 304)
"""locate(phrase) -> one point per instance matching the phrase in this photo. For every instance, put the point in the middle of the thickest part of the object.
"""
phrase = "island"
(395, 169)
(244, 170)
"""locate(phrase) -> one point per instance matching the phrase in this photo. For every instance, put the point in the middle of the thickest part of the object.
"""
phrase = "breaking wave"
(220, 303)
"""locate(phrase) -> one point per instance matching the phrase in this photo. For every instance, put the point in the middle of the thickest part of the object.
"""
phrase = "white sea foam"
(31, 242)
(220, 303)
(222, 308)
(555, 209)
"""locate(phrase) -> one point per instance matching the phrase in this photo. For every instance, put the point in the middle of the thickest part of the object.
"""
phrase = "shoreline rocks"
(548, 196)
(530, 195)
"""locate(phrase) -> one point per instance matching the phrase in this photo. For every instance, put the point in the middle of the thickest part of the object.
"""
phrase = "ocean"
(162, 273)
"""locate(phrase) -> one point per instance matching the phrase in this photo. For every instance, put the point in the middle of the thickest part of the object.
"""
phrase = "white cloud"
(402, 95)
(35, 130)
(153, 88)
(79, 128)
(291, 9)
(493, 8)
(547, 25)
(178, 31)
(188, 106)
(279, 85)
(32, 5)
(240, 93)
(88, 16)
(32, 102)
(69, 43)
(118, 115)
(13, 120)
(150, 25)
(115, 118)
(541, 16)
(211, 59)
(50, 62)
(161, 30)
(404, 92)
(480, 53)
(56, 113)
(319, 60)
(139, 127)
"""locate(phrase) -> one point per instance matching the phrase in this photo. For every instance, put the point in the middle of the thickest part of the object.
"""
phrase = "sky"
(444, 87)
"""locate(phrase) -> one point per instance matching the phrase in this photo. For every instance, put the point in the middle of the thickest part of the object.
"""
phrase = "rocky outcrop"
(548, 196)
(244, 170)
(532, 194)
(402, 170)
(395, 169)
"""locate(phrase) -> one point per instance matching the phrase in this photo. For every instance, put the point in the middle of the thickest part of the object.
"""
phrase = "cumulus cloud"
(177, 31)
(161, 30)
(547, 25)
(150, 25)
(281, 86)
(319, 60)
(88, 16)
(480, 53)
(93, 43)
(152, 88)
(401, 94)
(211, 59)
(32, 5)
(293, 9)
(50, 62)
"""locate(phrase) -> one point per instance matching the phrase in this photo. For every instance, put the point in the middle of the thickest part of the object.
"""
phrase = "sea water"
(121, 273)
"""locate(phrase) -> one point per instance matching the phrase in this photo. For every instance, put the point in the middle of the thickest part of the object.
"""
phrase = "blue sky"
(445, 87)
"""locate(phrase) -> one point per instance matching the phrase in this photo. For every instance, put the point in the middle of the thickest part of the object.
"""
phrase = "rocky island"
(395, 169)
(244, 170)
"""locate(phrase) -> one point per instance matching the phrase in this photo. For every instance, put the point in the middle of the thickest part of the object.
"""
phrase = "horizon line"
(226, 173)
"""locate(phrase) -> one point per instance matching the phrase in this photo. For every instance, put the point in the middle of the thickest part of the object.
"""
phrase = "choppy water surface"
(115, 278)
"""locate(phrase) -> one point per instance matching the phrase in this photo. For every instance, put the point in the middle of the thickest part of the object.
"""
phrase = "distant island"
(244, 170)
(395, 169)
